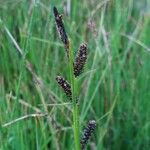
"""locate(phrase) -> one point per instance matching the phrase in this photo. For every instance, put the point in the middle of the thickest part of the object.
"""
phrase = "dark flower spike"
(65, 86)
(87, 133)
(61, 29)
(80, 59)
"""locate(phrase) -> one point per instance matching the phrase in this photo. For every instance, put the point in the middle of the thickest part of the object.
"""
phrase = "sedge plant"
(76, 68)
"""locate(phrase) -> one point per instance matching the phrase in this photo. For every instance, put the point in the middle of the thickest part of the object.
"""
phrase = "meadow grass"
(114, 88)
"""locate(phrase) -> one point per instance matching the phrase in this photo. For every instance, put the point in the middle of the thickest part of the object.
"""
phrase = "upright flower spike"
(87, 133)
(65, 86)
(61, 29)
(80, 59)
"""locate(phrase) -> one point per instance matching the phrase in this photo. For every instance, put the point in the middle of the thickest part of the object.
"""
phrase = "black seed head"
(61, 29)
(80, 59)
(87, 133)
(65, 86)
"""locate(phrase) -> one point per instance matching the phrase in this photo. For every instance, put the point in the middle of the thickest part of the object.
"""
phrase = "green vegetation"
(114, 87)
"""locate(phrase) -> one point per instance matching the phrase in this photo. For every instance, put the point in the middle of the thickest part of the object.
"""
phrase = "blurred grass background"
(114, 88)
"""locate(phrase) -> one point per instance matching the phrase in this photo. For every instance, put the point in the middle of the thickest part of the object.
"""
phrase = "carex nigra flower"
(65, 86)
(80, 59)
(87, 133)
(61, 29)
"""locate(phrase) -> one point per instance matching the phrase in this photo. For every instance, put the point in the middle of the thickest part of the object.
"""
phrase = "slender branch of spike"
(65, 86)
(76, 124)
(87, 133)
(80, 59)
(61, 29)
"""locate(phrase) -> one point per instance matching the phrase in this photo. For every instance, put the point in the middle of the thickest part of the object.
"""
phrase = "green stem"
(74, 99)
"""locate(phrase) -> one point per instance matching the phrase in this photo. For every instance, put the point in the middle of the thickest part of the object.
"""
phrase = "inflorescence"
(78, 66)
(87, 133)
(61, 29)
(65, 86)
(80, 59)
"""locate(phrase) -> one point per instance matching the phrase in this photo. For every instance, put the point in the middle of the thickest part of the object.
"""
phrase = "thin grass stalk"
(74, 100)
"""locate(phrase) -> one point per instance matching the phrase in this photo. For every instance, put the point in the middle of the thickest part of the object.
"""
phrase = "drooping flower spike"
(87, 133)
(65, 86)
